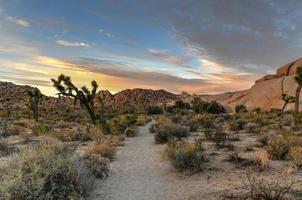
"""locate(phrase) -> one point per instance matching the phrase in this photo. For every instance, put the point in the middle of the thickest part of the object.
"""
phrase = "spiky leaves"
(85, 97)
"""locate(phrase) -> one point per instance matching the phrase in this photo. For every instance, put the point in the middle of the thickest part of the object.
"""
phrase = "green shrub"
(240, 108)
(42, 172)
(41, 129)
(98, 165)
(119, 124)
(207, 120)
(4, 148)
(279, 146)
(164, 132)
(237, 125)
(154, 110)
(142, 120)
(298, 118)
(200, 106)
(186, 155)
(220, 138)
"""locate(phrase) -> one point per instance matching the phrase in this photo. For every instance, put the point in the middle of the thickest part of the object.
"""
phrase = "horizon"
(207, 47)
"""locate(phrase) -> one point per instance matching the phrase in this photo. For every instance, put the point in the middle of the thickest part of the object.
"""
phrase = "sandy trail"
(140, 173)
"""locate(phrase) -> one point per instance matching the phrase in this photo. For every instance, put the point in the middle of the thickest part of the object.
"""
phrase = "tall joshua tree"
(34, 100)
(298, 79)
(85, 97)
(286, 97)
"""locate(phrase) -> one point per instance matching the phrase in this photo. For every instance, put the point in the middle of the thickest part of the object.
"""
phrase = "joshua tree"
(85, 97)
(286, 97)
(298, 79)
(34, 100)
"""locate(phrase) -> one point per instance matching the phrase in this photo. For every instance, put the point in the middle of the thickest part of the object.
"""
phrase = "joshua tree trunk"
(284, 106)
(298, 90)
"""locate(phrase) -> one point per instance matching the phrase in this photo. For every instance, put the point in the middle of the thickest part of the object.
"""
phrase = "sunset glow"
(145, 45)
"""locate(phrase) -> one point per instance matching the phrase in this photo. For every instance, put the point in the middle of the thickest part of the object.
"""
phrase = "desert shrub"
(192, 122)
(295, 155)
(48, 174)
(257, 110)
(41, 129)
(154, 110)
(186, 155)
(240, 108)
(118, 125)
(263, 140)
(153, 127)
(262, 119)
(251, 127)
(298, 118)
(215, 108)
(4, 148)
(97, 131)
(209, 133)
(220, 138)
(71, 135)
(97, 165)
(142, 120)
(261, 160)
(279, 146)
(237, 125)
(262, 189)
(200, 106)
(164, 132)
(130, 132)
(207, 120)
(103, 149)
(4, 113)
(180, 104)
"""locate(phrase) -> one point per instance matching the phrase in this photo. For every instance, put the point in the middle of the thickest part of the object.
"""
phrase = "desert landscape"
(150, 100)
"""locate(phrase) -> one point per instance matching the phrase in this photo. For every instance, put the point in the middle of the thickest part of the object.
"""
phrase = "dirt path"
(140, 173)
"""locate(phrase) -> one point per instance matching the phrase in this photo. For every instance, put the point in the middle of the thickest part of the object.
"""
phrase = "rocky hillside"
(16, 96)
(265, 93)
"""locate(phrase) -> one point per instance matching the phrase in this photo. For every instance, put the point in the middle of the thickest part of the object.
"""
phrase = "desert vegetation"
(58, 152)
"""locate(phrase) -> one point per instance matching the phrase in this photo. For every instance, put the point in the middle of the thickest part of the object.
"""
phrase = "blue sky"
(194, 46)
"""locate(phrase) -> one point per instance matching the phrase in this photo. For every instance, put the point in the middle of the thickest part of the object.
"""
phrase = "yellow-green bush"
(42, 172)
(279, 145)
(41, 129)
(186, 155)
(119, 124)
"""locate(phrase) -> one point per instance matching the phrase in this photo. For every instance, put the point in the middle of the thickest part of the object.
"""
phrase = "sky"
(202, 46)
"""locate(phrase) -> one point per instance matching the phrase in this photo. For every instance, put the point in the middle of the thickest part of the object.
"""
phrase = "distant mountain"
(265, 94)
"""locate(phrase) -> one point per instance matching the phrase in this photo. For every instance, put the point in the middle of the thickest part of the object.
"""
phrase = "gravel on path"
(139, 172)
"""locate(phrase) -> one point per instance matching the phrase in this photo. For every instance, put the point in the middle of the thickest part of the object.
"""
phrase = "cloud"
(181, 60)
(107, 34)
(21, 22)
(72, 43)
(251, 36)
